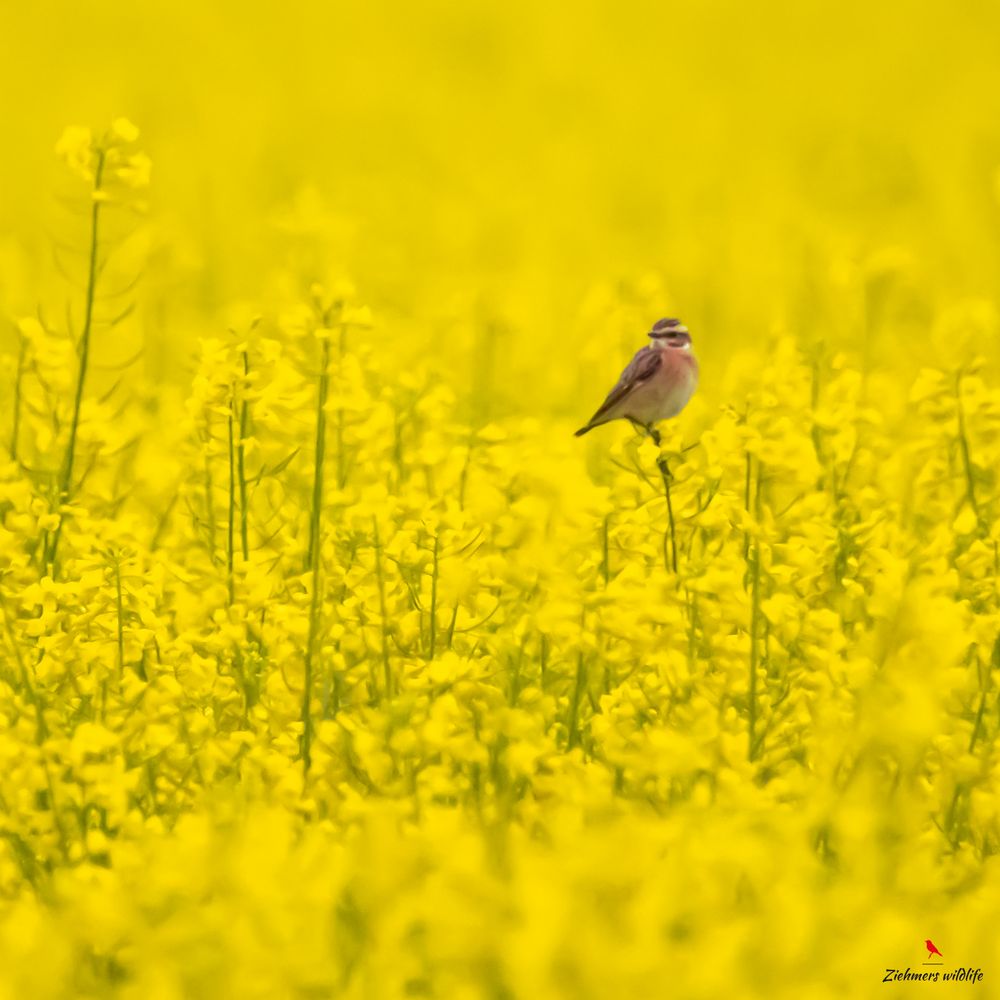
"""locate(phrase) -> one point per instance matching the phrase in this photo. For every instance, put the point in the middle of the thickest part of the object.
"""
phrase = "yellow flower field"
(333, 665)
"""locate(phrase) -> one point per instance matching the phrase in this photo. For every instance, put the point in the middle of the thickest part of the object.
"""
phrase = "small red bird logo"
(931, 949)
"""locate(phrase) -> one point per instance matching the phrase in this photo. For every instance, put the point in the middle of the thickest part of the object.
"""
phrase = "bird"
(657, 383)
(931, 949)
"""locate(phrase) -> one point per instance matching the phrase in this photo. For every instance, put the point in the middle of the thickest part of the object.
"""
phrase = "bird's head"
(671, 333)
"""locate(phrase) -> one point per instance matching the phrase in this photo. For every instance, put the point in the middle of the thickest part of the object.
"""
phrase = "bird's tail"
(591, 424)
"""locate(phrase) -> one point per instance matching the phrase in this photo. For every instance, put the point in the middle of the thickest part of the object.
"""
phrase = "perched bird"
(931, 950)
(657, 383)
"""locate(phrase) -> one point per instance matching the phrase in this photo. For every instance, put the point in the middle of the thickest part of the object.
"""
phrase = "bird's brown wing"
(641, 368)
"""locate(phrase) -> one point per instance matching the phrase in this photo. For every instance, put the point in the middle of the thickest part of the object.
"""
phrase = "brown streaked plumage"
(656, 384)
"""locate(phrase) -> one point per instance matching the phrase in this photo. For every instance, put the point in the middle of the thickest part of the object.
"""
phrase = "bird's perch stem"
(661, 464)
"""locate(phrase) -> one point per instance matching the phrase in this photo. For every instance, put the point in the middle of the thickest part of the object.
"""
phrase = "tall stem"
(120, 608)
(667, 475)
(41, 730)
(209, 492)
(579, 684)
(754, 624)
(606, 549)
(341, 456)
(241, 462)
(66, 476)
(16, 429)
(231, 523)
(387, 669)
(434, 597)
(963, 440)
(314, 549)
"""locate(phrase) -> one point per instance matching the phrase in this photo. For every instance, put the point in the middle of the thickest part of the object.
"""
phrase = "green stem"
(963, 440)
(241, 462)
(815, 432)
(434, 597)
(66, 476)
(573, 723)
(605, 550)
(667, 476)
(231, 524)
(977, 727)
(746, 506)
(961, 787)
(56, 818)
(16, 429)
(209, 494)
(382, 610)
(121, 624)
(341, 456)
(41, 730)
(314, 550)
(754, 626)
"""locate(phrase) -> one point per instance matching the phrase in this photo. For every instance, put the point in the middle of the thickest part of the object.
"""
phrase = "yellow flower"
(134, 171)
(76, 147)
(123, 130)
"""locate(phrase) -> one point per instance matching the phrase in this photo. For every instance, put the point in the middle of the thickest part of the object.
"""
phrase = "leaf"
(277, 469)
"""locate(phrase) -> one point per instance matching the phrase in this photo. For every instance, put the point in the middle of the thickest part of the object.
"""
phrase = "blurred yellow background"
(752, 157)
